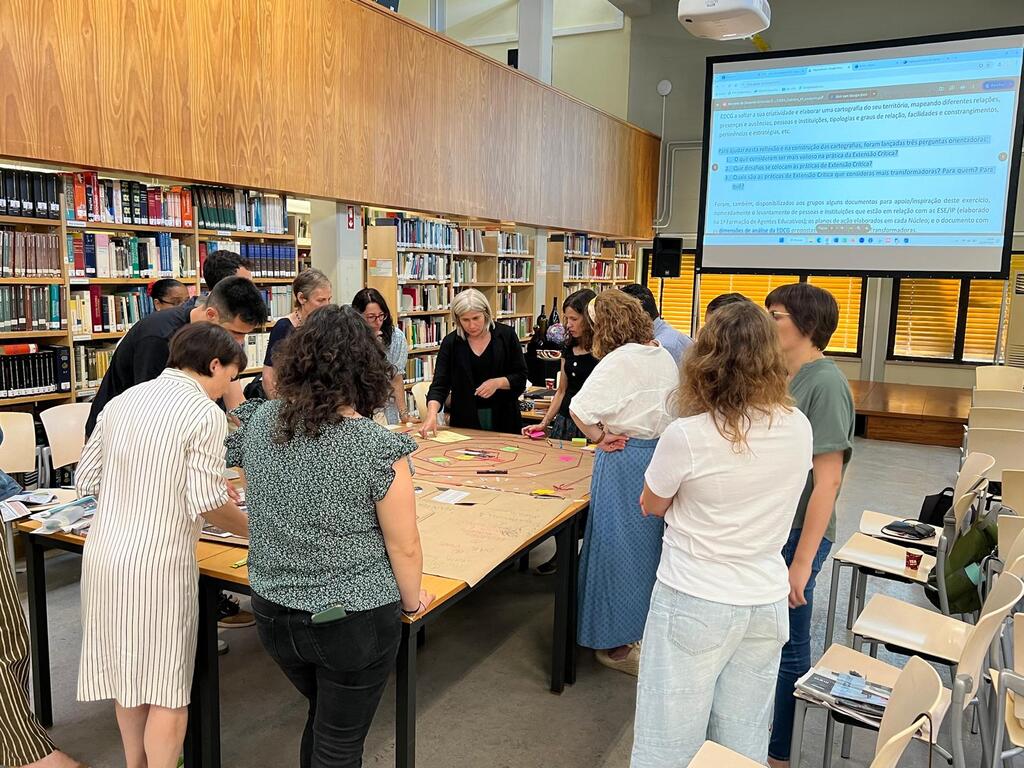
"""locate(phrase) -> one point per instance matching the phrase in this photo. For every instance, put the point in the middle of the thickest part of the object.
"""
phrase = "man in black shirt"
(234, 303)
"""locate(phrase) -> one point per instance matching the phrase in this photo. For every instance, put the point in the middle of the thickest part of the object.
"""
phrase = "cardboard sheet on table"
(467, 541)
(533, 464)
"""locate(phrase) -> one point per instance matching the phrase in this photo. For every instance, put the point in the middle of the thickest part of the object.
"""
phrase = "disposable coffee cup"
(914, 559)
(549, 383)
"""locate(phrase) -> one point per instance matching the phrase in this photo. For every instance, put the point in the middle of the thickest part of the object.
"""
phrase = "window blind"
(926, 315)
(848, 291)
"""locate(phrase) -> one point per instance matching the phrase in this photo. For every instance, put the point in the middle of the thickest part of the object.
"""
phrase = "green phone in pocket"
(333, 613)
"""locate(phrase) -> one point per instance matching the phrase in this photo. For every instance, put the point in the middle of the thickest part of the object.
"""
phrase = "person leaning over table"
(375, 311)
(334, 552)
(481, 365)
(311, 290)
(576, 366)
(156, 473)
(623, 408)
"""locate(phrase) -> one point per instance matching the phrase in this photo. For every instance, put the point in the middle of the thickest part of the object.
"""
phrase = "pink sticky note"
(567, 458)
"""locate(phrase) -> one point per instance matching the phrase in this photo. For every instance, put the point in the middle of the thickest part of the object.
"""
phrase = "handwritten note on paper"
(447, 436)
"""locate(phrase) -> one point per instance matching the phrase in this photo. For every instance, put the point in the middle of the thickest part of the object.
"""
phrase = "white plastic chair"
(65, 432)
(999, 377)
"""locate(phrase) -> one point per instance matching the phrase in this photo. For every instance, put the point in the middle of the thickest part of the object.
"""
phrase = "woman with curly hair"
(726, 476)
(623, 408)
(334, 553)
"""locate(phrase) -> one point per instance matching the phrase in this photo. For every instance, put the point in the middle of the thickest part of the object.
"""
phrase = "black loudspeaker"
(666, 257)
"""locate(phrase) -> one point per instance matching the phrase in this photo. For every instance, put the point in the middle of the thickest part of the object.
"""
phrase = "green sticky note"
(510, 449)
(441, 460)
(579, 441)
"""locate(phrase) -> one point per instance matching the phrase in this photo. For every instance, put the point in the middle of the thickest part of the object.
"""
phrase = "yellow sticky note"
(447, 436)
(544, 492)
(466, 458)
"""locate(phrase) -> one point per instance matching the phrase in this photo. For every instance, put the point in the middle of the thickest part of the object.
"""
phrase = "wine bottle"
(541, 325)
(553, 318)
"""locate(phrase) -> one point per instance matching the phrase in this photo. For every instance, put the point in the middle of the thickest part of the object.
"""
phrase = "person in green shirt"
(806, 317)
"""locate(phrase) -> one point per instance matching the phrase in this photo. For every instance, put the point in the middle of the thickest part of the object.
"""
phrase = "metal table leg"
(574, 578)
(563, 604)
(833, 596)
(202, 738)
(405, 700)
(35, 572)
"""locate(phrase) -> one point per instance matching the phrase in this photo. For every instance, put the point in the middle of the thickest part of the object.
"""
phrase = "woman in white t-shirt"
(727, 475)
(622, 406)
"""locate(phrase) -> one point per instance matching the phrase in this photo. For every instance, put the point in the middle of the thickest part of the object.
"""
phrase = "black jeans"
(340, 667)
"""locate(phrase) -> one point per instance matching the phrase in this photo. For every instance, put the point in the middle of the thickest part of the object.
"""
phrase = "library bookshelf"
(86, 345)
(589, 261)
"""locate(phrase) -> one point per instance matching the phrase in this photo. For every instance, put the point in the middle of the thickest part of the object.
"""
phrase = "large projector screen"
(893, 158)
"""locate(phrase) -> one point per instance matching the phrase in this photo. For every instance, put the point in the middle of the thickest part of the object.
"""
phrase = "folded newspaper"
(846, 693)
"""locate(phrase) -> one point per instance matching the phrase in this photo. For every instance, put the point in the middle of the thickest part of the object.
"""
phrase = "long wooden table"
(217, 572)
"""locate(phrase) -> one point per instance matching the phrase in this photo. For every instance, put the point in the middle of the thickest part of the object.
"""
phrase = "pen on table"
(492, 471)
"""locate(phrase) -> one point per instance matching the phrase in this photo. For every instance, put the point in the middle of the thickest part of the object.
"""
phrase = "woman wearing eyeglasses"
(371, 305)
(311, 290)
(168, 293)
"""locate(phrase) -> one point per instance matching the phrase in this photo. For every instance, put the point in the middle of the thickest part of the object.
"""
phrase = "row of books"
(240, 210)
(32, 308)
(468, 239)
(582, 245)
(29, 193)
(521, 325)
(29, 254)
(87, 198)
(422, 266)
(422, 298)
(507, 302)
(512, 242)
(124, 256)
(576, 269)
(622, 271)
(278, 299)
(256, 348)
(420, 368)
(515, 270)
(92, 311)
(91, 364)
(623, 249)
(27, 370)
(267, 259)
(464, 271)
(601, 270)
(423, 332)
(421, 233)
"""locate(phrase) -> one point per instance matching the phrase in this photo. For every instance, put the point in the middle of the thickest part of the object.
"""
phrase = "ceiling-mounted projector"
(724, 19)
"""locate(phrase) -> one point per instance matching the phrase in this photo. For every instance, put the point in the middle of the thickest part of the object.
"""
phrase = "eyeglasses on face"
(777, 315)
(374, 318)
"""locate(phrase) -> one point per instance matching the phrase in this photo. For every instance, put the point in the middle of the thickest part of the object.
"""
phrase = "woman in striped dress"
(156, 463)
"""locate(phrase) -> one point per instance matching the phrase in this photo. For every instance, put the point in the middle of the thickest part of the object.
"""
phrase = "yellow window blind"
(983, 303)
(926, 318)
(677, 301)
(754, 287)
(847, 291)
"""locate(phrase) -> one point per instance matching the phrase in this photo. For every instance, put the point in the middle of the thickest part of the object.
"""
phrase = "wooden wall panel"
(325, 98)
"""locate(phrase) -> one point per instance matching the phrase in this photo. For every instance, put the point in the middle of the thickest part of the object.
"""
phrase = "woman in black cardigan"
(481, 365)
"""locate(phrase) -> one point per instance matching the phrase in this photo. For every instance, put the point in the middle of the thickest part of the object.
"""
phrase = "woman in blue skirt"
(622, 407)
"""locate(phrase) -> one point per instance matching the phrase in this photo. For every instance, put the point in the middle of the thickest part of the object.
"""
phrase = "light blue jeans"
(707, 671)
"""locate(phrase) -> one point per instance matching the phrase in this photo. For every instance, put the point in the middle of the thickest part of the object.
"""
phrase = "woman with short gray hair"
(481, 366)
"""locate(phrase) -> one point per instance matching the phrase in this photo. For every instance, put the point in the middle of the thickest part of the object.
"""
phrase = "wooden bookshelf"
(30, 221)
(612, 266)
(107, 226)
(190, 236)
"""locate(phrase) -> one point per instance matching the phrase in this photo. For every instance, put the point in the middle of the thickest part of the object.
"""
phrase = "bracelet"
(418, 608)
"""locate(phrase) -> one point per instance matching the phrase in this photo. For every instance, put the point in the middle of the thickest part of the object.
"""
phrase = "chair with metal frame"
(973, 644)
(874, 557)
(997, 398)
(1006, 446)
(1008, 709)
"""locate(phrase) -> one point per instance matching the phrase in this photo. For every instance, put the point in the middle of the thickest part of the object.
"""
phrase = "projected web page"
(896, 159)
